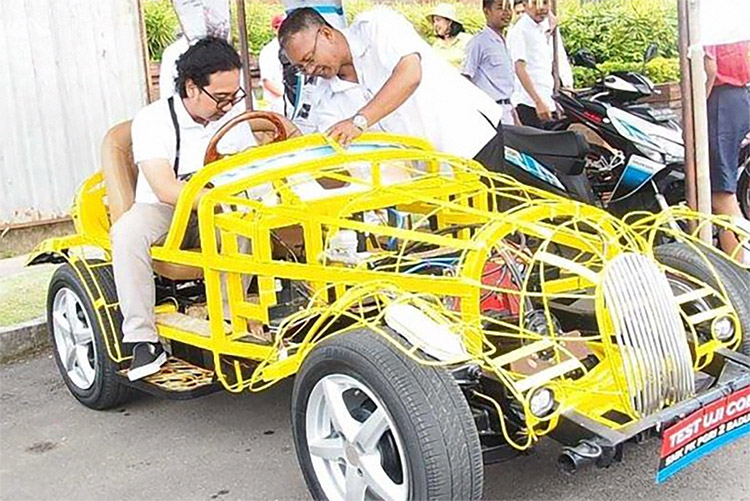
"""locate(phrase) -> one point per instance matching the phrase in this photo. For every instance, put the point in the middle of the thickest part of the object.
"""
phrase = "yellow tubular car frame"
(521, 292)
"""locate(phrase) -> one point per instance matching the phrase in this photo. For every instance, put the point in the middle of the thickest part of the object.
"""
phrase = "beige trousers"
(132, 236)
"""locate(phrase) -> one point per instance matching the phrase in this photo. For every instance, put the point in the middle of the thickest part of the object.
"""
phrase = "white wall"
(69, 69)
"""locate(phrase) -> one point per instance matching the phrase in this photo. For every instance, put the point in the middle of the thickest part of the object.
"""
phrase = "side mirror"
(651, 52)
(585, 58)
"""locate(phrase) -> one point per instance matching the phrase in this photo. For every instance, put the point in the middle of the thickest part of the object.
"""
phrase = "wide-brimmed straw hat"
(445, 10)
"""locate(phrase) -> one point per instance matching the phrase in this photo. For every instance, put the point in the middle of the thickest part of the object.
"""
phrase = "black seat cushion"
(563, 151)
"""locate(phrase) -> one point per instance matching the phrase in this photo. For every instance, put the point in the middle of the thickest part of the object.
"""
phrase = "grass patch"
(23, 295)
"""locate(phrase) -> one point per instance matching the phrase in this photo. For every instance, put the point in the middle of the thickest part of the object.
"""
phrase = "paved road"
(224, 447)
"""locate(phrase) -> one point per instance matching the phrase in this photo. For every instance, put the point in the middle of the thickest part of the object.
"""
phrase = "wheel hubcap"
(74, 338)
(354, 447)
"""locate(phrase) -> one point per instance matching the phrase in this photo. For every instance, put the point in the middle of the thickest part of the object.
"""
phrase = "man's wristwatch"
(360, 122)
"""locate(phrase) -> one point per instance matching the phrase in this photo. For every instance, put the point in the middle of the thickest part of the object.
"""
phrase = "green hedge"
(620, 30)
(616, 31)
(659, 70)
(161, 26)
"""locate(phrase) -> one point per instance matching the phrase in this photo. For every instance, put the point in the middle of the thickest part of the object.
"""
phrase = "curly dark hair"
(205, 57)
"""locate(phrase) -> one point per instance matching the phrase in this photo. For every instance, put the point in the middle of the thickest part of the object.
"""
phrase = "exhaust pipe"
(573, 458)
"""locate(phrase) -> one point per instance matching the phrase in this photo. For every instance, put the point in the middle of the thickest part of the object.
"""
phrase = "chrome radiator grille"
(657, 366)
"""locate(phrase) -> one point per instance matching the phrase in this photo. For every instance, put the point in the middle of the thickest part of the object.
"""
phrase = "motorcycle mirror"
(585, 58)
(651, 52)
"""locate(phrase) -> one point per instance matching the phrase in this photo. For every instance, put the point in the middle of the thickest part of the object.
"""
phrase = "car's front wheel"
(370, 423)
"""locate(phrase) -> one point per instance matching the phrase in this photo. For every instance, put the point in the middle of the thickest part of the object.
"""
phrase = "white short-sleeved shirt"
(271, 69)
(528, 41)
(154, 138)
(337, 100)
(168, 68)
(446, 109)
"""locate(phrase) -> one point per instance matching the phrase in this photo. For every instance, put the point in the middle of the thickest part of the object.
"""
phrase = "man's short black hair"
(205, 57)
(300, 20)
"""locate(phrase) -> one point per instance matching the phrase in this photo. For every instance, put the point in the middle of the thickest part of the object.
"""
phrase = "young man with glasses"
(170, 137)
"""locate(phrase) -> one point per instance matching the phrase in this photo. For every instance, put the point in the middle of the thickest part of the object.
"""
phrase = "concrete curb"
(19, 339)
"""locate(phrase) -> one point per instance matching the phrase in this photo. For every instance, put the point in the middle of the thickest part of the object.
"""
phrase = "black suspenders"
(176, 133)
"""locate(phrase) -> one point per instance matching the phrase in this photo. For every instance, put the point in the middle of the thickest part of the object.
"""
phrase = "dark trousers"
(728, 122)
(527, 115)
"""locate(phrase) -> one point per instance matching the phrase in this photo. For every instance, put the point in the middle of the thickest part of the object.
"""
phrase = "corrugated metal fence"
(69, 69)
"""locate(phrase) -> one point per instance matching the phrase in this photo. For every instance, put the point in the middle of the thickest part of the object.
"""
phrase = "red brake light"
(592, 116)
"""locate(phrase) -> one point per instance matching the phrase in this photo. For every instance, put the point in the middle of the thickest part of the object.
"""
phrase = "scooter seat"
(563, 151)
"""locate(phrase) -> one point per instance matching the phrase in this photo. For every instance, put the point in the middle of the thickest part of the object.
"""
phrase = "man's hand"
(344, 132)
(543, 112)
(552, 23)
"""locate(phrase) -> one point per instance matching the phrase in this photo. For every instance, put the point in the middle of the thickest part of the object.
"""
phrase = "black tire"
(743, 191)
(425, 404)
(106, 391)
(734, 279)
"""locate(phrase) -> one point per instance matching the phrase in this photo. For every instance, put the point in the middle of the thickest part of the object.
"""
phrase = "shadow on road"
(225, 446)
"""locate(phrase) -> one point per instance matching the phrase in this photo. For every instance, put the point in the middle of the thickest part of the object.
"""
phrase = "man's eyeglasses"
(224, 102)
(310, 58)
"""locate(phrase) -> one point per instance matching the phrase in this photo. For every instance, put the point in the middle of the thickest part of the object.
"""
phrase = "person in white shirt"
(197, 20)
(170, 137)
(271, 71)
(531, 47)
(405, 87)
(168, 67)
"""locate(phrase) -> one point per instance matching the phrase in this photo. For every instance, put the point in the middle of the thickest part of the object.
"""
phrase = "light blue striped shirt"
(488, 64)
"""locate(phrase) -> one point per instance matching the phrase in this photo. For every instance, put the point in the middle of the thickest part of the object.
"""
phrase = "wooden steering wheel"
(260, 122)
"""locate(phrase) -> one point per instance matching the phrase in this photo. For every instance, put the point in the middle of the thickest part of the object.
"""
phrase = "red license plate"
(704, 431)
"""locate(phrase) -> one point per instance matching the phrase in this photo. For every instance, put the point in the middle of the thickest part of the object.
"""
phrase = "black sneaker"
(147, 359)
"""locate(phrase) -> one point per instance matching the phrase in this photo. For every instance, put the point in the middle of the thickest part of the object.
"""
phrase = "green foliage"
(616, 31)
(619, 30)
(659, 70)
(663, 69)
(161, 26)
(258, 15)
(470, 13)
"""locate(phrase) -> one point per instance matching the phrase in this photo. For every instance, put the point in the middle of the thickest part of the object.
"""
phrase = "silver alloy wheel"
(74, 338)
(354, 447)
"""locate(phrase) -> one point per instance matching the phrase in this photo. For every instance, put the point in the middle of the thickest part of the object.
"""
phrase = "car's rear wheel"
(684, 259)
(78, 344)
(370, 423)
